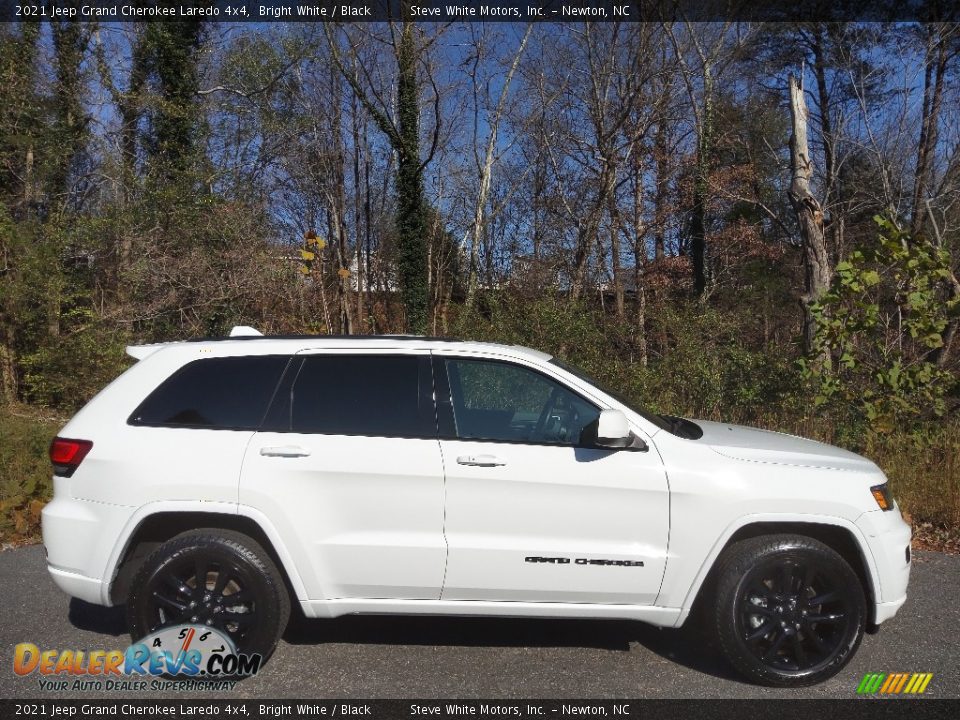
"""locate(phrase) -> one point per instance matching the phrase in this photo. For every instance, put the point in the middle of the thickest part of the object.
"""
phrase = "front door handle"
(481, 460)
(291, 451)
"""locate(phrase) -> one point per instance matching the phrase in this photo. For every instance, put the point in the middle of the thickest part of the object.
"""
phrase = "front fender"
(700, 574)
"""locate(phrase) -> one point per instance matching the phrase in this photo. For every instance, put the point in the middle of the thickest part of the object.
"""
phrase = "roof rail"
(258, 336)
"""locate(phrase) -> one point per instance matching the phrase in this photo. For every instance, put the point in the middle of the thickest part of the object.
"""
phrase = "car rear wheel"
(790, 610)
(212, 577)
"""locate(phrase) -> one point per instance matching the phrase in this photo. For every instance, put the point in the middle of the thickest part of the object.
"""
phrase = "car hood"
(746, 443)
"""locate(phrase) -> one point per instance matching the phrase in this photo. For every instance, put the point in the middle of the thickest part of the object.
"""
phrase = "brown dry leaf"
(20, 524)
(34, 510)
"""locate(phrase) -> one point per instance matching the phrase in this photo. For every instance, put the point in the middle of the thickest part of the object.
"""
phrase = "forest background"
(659, 203)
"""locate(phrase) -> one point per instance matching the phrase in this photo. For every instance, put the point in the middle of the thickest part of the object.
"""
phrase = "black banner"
(479, 11)
(854, 709)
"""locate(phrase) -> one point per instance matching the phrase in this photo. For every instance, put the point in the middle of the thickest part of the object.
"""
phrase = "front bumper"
(888, 540)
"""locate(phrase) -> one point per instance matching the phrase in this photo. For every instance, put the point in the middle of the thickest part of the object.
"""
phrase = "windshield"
(657, 420)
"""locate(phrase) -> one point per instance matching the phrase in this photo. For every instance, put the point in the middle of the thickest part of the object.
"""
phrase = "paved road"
(374, 657)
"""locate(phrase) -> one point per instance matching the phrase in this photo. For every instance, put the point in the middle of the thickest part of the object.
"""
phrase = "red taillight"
(66, 455)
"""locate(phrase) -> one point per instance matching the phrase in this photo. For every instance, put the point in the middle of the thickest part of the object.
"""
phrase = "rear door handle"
(481, 460)
(291, 451)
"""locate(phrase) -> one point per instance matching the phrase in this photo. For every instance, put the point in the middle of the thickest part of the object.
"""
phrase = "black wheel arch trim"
(836, 536)
(155, 528)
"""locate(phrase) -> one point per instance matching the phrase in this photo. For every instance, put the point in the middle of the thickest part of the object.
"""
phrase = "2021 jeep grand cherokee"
(217, 481)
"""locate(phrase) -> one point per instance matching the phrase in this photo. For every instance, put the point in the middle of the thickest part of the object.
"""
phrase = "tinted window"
(501, 401)
(222, 393)
(659, 420)
(377, 395)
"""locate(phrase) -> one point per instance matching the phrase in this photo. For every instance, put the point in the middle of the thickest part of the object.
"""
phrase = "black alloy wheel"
(216, 578)
(791, 611)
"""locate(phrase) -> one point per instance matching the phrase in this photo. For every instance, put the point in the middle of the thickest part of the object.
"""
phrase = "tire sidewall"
(732, 583)
(258, 575)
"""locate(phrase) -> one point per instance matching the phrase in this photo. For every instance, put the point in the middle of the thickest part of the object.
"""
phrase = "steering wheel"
(545, 413)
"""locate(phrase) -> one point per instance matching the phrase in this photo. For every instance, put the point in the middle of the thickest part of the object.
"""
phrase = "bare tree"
(491, 155)
(703, 58)
(940, 48)
(809, 214)
(401, 126)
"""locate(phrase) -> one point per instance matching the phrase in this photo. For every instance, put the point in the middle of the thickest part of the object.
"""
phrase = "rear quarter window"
(217, 393)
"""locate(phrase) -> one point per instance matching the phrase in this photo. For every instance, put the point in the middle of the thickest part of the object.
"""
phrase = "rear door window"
(373, 395)
(217, 393)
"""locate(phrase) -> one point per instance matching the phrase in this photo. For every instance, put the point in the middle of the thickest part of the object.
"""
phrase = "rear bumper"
(80, 537)
(888, 538)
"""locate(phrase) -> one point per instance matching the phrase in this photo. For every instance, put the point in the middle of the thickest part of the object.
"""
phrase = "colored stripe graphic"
(870, 683)
(894, 683)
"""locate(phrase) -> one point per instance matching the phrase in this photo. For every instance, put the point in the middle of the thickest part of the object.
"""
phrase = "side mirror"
(613, 430)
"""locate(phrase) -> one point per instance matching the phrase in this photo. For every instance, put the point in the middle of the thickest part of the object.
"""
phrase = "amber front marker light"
(882, 495)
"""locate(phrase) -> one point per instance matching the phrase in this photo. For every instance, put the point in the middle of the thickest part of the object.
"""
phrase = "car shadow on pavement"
(95, 618)
(458, 631)
(685, 646)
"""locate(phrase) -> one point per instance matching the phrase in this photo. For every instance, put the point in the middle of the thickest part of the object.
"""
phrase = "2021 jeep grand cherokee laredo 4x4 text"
(218, 481)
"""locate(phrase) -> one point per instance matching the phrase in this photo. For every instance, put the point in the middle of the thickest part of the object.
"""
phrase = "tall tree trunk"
(486, 170)
(619, 306)
(70, 41)
(8, 374)
(828, 138)
(338, 206)
(935, 66)
(357, 213)
(661, 162)
(823, 97)
(639, 262)
(613, 213)
(129, 108)
(809, 215)
(411, 210)
(701, 188)
(588, 231)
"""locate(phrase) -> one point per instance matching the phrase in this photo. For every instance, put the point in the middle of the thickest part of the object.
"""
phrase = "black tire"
(238, 571)
(790, 611)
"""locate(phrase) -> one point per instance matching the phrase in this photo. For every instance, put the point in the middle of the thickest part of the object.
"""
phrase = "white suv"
(218, 481)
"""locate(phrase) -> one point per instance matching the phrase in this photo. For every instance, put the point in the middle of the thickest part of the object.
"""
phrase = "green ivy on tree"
(877, 328)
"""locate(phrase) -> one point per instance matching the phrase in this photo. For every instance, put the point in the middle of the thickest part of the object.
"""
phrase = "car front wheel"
(790, 610)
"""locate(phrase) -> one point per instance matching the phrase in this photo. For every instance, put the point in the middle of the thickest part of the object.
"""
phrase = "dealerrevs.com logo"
(894, 683)
(184, 657)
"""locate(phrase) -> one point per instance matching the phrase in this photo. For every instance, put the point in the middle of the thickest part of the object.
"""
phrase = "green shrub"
(65, 373)
(25, 475)
(878, 329)
(699, 364)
